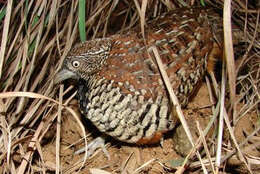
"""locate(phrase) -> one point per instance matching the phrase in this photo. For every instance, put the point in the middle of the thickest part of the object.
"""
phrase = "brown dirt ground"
(127, 158)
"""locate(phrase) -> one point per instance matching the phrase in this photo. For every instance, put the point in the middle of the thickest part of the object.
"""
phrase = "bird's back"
(126, 97)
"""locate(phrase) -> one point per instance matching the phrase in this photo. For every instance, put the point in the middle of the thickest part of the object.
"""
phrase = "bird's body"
(123, 93)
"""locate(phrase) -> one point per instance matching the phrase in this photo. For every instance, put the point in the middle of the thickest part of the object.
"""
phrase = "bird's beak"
(64, 74)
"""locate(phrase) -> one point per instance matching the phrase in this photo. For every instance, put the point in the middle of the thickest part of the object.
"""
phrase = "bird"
(120, 87)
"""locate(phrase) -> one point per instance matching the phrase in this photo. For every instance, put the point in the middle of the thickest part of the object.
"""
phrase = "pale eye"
(75, 64)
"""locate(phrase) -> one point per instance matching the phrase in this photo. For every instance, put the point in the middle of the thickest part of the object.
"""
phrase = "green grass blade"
(82, 14)
(2, 13)
(35, 20)
(202, 3)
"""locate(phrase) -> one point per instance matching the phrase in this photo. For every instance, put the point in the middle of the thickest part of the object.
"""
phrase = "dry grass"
(36, 36)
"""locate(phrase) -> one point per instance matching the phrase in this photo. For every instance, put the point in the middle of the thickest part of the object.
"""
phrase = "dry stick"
(22, 102)
(13, 69)
(132, 22)
(97, 28)
(229, 154)
(234, 140)
(50, 120)
(240, 145)
(58, 131)
(7, 139)
(112, 7)
(17, 35)
(138, 7)
(229, 53)
(125, 20)
(57, 35)
(229, 126)
(141, 11)
(194, 148)
(210, 91)
(31, 111)
(124, 164)
(175, 101)
(215, 110)
(245, 92)
(5, 34)
(246, 17)
(52, 13)
(39, 150)
(71, 39)
(28, 155)
(38, 131)
(99, 10)
(202, 135)
(42, 73)
(35, 108)
(75, 167)
(248, 109)
(77, 142)
(229, 129)
(46, 34)
(145, 164)
(98, 171)
(251, 44)
(197, 164)
(142, 16)
(220, 125)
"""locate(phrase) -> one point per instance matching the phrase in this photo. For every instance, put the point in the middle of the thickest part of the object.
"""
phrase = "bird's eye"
(75, 64)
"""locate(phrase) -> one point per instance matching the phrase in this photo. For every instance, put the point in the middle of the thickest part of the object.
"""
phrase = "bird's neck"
(92, 81)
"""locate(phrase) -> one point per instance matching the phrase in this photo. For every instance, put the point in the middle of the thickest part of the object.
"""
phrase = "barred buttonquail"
(121, 90)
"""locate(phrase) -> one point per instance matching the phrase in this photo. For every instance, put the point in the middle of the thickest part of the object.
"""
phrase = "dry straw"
(36, 36)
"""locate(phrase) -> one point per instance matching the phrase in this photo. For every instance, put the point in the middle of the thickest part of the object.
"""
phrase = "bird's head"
(84, 60)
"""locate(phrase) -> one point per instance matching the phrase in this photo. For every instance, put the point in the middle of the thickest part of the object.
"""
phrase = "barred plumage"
(122, 92)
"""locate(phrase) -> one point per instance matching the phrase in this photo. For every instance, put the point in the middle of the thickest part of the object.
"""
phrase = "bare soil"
(125, 158)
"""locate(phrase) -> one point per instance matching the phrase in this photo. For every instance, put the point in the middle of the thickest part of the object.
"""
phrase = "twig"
(220, 125)
(58, 131)
(175, 100)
